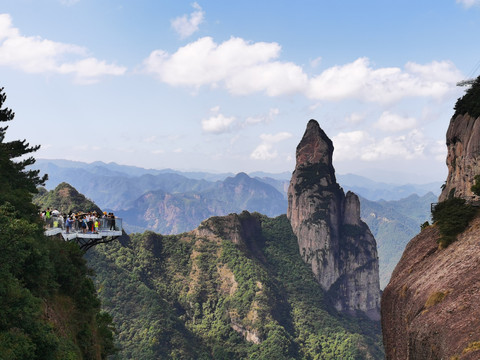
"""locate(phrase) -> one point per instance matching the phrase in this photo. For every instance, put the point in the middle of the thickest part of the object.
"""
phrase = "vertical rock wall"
(463, 157)
(331, 237)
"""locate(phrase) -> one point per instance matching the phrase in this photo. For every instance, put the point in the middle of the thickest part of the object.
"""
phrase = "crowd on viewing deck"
(89, 222)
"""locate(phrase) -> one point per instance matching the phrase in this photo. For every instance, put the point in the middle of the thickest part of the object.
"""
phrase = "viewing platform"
(107, 231)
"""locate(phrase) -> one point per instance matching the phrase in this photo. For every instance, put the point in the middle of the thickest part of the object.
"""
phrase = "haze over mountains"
(170, 202)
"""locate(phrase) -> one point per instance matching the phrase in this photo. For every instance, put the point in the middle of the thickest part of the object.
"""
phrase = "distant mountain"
(172, 213)
(373, 190)
(393, 224)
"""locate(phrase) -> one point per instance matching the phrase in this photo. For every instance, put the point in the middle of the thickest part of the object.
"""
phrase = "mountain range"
(172, 202)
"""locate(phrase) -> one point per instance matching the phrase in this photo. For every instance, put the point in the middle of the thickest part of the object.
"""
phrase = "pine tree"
(17, 184)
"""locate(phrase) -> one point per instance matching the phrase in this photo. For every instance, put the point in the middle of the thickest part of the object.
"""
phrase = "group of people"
(90, 222)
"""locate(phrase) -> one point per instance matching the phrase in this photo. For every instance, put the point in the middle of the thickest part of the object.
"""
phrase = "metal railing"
(104, 224)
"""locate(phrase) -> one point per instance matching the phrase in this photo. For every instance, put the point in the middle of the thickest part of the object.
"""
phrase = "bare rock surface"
(463, 158)
(331, 237)
(431, 307)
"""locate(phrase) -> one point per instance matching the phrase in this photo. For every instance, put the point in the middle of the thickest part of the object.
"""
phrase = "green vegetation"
(49, 308)
(393, 224)
(476, 187)
(189, 297)
(452, 217)
(64, 198)
(470, 102)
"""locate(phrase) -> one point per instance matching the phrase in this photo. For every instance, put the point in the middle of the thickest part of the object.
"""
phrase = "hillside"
(173, 213)
(394, 223)
(234, 288)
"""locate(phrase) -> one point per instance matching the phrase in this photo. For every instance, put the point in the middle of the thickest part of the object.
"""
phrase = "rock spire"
(331, 237)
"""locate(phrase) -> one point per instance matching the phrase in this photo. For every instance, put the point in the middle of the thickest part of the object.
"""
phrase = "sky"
(229, 86)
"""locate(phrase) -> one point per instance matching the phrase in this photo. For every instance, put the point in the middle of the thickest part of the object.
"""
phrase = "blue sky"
(230, 86)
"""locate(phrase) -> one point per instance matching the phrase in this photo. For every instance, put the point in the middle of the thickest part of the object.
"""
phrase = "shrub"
(476, 187)
(452, 217)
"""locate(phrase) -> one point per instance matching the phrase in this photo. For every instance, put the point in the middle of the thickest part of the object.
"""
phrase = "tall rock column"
(331, 236)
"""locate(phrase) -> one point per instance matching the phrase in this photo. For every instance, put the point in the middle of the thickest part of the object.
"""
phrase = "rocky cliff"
(463, 158)
(331, 237)
(430, 308)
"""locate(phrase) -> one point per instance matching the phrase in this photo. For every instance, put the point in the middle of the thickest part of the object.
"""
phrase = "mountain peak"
(315, 146)
(331, 237)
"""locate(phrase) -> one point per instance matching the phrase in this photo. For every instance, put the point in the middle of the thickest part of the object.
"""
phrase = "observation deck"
(85, 238)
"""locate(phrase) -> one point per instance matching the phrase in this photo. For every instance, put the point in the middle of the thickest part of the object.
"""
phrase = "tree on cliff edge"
(48, 304)
(16, 183)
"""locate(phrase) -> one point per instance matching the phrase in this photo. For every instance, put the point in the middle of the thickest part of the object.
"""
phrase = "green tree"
(41, 277)
(17, 184)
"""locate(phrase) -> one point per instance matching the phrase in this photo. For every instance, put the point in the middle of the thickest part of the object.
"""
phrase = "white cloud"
(266, 151)
(468, 3)
(37, 55)
(315, 62)
(355, 118)
(186, 25)
(393, 122)
(240, 66)
(359, 80)
(243, 67)
(217, 123)
(265, 118)
(359, 145)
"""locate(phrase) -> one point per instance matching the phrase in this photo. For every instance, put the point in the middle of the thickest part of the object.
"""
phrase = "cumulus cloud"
(186, 25)
(468, 3)
(359, 80)
(266, 151)
(359, 145)
(265, 118)
(393, 122)
(37, 55)
(217, 123)
(240, 66)
(244, 67)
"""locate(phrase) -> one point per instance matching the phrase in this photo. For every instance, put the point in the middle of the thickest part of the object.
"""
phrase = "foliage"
(452, 217)
(393, 224)
(40, 277)
(424, 225)
(476, 187)
(470, 102)
(64, 198)
(199, 297)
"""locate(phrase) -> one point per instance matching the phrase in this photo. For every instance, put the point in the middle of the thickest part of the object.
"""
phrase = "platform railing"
(105, 224)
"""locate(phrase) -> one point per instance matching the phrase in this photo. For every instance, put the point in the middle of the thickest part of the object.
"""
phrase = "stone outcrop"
(463, 158)
(331, 237)
(431, 307)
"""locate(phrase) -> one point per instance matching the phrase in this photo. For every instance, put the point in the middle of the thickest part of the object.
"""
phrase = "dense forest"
(49, 306)
(235, 288)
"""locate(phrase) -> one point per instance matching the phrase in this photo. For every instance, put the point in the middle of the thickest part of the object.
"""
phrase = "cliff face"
(430, 308)
(463, 158)
(331, 236)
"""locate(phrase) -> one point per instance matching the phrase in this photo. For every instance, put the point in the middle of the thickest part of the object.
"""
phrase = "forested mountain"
(394, 223)
(48, 305)
(234, 288)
